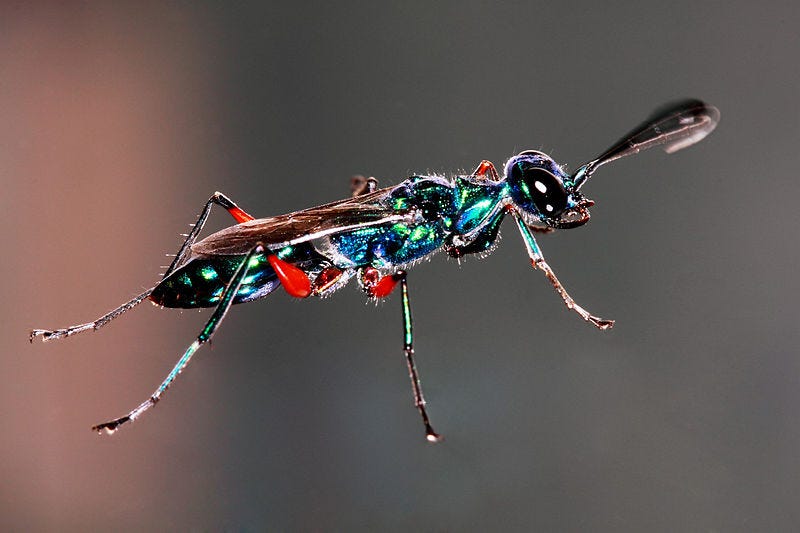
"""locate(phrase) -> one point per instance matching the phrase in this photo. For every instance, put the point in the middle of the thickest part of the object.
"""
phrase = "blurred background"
(119, 121)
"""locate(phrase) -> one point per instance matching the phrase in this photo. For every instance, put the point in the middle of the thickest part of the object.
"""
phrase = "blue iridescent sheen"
(398, 243)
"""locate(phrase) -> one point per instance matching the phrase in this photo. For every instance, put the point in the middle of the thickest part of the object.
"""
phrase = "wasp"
(376, 234)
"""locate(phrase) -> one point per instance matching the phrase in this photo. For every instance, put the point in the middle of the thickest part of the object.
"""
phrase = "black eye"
(531, 184)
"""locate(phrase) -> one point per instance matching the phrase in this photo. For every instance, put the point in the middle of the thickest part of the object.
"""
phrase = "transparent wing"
(673, 127)
(301, 226)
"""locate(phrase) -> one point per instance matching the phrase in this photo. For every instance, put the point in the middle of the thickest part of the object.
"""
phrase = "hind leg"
(205, 335)
(217, 198)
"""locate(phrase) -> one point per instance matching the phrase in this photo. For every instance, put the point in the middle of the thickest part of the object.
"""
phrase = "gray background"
(119, 121)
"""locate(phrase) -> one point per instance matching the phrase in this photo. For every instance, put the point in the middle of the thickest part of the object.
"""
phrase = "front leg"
(537, 261)
(486, 168)
(359, 185)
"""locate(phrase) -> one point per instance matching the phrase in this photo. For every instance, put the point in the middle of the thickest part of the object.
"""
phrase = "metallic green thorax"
(476, 200)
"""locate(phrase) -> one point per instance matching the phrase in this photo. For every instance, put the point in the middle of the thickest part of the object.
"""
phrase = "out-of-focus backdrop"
(118, 121)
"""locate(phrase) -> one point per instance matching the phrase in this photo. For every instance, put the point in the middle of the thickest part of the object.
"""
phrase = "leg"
(360, 185)
(47, 334)
(486, 167)
(544, 230)
(375, 285)
(408, 349)
(537, 261)
(205, 335)
(378, 287)
(217, 198)
(294, 280)
(329, 280)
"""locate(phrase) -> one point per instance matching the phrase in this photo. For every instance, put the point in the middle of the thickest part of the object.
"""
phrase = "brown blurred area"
(99, 121)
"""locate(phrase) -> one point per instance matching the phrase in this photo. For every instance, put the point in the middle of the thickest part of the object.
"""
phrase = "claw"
(110, 427)
(601, 324)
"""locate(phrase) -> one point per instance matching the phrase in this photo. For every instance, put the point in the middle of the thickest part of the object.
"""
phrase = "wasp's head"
(541, 190)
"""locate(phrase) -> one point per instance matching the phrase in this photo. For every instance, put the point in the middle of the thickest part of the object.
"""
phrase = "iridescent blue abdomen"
(201, 281)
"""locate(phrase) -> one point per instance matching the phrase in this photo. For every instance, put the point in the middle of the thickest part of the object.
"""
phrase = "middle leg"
(380, 287)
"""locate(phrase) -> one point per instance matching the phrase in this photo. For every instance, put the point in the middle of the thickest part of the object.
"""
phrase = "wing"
(673, 127)
(301, 226)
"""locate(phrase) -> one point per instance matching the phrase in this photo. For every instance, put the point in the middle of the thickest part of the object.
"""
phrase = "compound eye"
(541, 187)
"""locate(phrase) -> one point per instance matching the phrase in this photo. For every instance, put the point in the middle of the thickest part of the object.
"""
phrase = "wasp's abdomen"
(201, 281)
